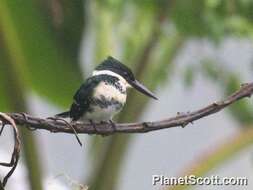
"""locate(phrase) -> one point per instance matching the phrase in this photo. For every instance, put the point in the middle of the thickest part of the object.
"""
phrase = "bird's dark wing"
(82, 98)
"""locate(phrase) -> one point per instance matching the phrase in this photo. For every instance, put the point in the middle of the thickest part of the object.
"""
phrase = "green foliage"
(189, 18)
(4, 102)
(213, 19)
(212, 69)
(66, 20)
(241, 111)
(229, 82)
(40, 43)
(31, 58)
(43, 64)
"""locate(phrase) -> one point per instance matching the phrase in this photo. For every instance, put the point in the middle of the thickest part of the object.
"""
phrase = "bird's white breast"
(110, 93)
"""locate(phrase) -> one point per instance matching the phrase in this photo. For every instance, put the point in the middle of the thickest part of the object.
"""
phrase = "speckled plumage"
(99, 98)
(104, 94)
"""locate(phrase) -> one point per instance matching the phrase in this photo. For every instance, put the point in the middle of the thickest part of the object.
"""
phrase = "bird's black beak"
(141, 88)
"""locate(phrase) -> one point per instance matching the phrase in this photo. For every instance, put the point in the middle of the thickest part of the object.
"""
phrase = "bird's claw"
(93, 125)
(112, 125)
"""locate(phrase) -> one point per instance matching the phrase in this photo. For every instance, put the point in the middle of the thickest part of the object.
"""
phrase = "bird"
(104, 94)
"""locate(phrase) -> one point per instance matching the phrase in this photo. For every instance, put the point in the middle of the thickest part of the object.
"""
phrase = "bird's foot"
(112, 125)
(93, 124)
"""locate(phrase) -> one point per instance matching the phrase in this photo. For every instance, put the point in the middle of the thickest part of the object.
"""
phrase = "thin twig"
(16, 150)
(181, 120)
(69, 124)
(2, 128)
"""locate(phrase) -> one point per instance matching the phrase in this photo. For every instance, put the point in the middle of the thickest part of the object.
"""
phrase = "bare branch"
(57, 125)
(15, 154)
(181, 120)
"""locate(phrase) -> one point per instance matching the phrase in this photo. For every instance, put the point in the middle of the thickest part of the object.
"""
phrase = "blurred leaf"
(215, 26)
(66, 19)
(212, 3)
(4, 98)
(12, 85)
(244, 8)
(31, 45)
(104, 45)
(134, 33)
(241, 26)
(212, 69)
(34, 59)
(241, 111)
(213, 19)
(161, 67)
(188, 16)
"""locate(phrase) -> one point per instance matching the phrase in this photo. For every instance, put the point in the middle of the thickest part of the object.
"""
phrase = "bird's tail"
(63, 114)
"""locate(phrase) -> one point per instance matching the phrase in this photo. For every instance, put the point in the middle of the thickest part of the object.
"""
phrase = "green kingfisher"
(104, 94)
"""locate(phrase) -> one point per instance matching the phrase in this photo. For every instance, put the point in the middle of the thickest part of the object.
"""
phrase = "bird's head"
(113, 67)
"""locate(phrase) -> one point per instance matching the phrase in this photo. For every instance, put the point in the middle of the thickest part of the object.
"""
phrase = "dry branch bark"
(181, 120)
(59, 125)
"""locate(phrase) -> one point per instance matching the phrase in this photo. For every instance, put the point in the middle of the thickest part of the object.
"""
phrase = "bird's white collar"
(111, 73)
